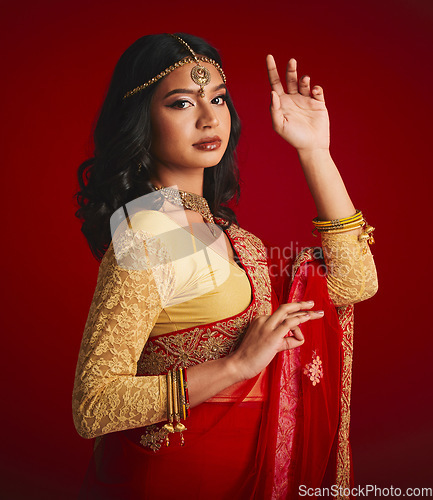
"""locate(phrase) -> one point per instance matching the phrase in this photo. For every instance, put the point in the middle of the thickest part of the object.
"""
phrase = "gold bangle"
(346, 224)
(337, 225)
(169, 425)
(185, 386)
(182, 394)
(337, 222)
(179, 427)
(344, 229)
(175, 397)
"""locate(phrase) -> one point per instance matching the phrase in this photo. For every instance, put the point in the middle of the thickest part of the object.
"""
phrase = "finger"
(317, 93)
(293, 321)
(274, 78)
(297, 333)
(304, 86)
(275, 103)
(284, 309)
(290, 343)
(276, 113)
(292, 77)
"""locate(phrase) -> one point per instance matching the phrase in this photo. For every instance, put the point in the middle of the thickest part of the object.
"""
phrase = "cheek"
(158, 127)
(228, 122)
(168, 139)
(160, 131)
(155, 133)
(171, 126)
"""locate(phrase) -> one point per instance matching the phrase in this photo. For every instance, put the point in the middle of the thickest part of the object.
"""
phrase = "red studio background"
(373, 59)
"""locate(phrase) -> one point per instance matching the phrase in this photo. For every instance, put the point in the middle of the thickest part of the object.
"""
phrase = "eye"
(181, 104)
(219, 100)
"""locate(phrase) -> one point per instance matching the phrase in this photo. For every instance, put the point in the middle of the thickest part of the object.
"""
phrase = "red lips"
(208, 143)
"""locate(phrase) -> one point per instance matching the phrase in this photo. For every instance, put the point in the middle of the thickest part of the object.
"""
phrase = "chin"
(212, 161)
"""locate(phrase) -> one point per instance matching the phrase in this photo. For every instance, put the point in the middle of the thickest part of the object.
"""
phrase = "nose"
(207, 116)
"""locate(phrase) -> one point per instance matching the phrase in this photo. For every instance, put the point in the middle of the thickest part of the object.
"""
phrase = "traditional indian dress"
(262, 438)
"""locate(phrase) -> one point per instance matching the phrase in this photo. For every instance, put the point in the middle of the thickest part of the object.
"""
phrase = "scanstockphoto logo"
(287, 252)
(339, 258)
(280, 260)
(369, 490)
(152, 235)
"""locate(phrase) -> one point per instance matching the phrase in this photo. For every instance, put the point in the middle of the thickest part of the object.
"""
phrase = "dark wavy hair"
(122, 140)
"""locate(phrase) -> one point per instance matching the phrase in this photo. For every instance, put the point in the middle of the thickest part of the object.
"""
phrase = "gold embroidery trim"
(154, 437)
(345, 315)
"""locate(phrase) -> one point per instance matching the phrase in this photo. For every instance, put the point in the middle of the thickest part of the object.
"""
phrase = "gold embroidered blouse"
(155, 290)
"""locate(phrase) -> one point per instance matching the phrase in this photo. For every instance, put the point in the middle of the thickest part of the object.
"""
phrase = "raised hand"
(300, 115)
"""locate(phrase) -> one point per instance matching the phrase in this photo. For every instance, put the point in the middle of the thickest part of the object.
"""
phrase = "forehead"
(180, 78)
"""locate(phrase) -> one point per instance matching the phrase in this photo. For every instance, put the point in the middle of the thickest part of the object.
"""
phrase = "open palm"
(300, 115)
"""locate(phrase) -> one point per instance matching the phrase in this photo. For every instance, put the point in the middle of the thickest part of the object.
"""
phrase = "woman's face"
(189, 131)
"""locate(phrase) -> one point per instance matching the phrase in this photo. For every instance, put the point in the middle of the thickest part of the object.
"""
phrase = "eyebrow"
(189, 91)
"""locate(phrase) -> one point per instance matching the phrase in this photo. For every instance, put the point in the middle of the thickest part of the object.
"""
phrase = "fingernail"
(310, 301)
(320, 312)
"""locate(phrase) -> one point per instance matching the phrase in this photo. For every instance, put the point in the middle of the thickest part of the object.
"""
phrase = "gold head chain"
(199, 74)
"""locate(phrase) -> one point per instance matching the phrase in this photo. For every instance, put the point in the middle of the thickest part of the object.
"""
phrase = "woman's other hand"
(265, 337)
(299, 116)
(268, 335)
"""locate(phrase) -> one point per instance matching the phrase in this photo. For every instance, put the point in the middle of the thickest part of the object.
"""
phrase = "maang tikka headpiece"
(199, 74)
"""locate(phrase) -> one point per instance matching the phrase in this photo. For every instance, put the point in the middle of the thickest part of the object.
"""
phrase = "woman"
(188, 305)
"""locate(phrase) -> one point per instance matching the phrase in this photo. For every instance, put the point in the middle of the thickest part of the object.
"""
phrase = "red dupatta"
(309, 404)
(296, 435)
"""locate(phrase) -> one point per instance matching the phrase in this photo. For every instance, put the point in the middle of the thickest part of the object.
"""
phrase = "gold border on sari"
(345, 315)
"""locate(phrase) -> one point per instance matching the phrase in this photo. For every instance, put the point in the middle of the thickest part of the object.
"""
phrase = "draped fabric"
(259, 439)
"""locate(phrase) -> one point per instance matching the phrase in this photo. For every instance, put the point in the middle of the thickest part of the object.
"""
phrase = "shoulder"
(139, 239)
(153, 222)
(142, 225)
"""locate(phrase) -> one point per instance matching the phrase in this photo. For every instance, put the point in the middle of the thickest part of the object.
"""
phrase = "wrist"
(307, 155)
(232, 369)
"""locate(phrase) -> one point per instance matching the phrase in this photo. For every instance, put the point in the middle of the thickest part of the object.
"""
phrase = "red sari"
(260, 439)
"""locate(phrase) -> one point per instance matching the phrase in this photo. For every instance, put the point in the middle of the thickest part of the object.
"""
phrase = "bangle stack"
(177, 403)
(336, 226)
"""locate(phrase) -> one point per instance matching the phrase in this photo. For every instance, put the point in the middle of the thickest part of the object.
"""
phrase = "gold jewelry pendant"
(201, 76)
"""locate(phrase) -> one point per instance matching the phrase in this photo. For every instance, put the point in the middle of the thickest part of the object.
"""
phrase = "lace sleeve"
(108, 396)
(351, 271)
